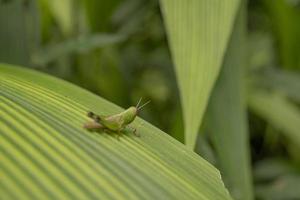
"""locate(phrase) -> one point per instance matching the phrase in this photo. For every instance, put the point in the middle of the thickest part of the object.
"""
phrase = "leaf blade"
(42, 123)
(228, 118)
(277, 111)
(198, 32)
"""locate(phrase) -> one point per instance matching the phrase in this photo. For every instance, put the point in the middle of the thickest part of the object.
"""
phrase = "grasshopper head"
(133, 110)
(130, 114)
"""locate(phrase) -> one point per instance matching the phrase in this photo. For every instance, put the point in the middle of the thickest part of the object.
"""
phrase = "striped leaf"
(46, 154)
(198, 32)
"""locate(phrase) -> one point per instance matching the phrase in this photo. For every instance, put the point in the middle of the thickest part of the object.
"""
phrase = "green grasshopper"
(114, 123)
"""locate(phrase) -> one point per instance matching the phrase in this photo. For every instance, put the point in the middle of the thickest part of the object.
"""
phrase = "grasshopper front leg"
(134, 131)
(119, 134)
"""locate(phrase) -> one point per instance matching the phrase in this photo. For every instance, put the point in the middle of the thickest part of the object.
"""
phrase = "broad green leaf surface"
(227, 116)
(278, 112)
(198, 32)
(46, 154)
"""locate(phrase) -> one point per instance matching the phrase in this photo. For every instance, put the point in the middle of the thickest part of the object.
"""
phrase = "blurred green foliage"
(118, 50)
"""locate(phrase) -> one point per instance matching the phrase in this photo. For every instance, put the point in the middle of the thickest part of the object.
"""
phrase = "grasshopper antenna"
(137, 105)
(139, 108)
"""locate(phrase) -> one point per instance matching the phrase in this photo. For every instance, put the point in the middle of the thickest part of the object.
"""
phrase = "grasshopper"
(115, 123)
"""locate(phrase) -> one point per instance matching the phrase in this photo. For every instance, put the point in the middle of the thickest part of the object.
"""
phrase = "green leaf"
(284, 187)
(61, 11)
(284, 17)
(19, 31)
(227, 117)
(47, 154)
(278, 112)
(98, 13)
(271, 168)
(284, 81)
(84, 43)
(198, 32)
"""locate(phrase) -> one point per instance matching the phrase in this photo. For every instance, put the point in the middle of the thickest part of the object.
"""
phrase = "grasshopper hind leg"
(93, 126)
(90, 114)
(93, 116)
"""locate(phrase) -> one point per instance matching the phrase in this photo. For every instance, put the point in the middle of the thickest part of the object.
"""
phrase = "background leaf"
(285, 23)
(80, 44)
(227, 117)
(62, 13)
(278, 112)
(285, 187)
(18, 35)
(45, 152)
(283, 81)
(198, 32)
